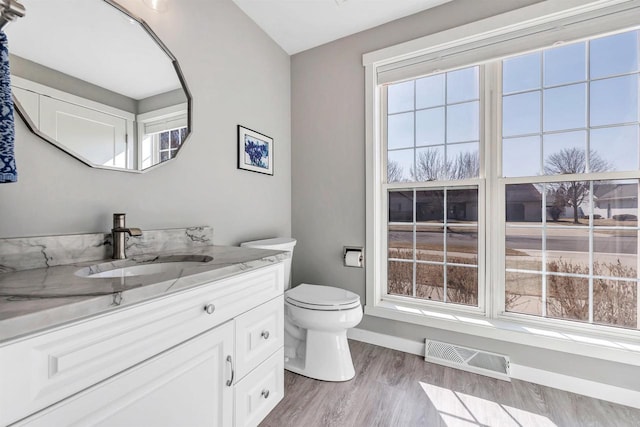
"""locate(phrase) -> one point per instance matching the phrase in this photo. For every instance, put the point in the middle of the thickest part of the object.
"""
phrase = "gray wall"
(162, 100)
(55, 79)
(328, 177)
(237, 75)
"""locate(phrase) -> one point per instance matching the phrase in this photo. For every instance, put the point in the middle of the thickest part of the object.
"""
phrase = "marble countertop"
(42, 298)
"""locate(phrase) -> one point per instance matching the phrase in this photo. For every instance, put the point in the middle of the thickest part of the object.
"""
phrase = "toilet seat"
(323, 298)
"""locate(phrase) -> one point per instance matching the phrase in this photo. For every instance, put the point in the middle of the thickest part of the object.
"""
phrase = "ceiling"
(298, 25)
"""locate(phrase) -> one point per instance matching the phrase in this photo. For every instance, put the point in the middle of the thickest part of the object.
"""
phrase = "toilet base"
(327, 357)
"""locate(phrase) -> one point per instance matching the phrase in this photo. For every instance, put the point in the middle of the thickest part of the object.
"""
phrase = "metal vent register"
(467, 359)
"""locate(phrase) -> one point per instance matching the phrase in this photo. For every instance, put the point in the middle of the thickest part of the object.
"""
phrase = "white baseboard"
(610, 393)
(387, 341)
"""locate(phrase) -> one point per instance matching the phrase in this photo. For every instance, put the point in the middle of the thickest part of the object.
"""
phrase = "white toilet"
(316, 323)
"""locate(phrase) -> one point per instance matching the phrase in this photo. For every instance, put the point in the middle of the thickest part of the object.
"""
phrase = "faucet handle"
(119, 220)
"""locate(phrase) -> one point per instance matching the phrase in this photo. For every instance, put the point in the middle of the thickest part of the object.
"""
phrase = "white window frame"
(478, 182)
(530, 28)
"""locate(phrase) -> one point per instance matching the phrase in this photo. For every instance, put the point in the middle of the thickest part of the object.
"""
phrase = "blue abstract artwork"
(255, 151)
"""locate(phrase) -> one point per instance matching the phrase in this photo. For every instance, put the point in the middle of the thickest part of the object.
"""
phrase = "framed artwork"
(255, 151)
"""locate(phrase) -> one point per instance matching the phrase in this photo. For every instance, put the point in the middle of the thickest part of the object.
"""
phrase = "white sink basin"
(107, 270)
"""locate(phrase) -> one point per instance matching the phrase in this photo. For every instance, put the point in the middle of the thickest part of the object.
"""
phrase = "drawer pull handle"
(265, 393)
(230, 381)
(265, 335)
(209, 308)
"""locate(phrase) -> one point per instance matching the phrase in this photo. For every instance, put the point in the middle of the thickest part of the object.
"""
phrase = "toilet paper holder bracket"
(349, 250)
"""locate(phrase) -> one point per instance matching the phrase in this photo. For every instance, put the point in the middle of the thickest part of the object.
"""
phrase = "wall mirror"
(95, 81)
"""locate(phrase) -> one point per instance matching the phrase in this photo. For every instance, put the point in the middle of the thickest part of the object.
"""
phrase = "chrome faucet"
(119, 233)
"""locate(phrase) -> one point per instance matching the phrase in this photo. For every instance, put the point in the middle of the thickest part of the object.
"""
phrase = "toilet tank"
(277, 244)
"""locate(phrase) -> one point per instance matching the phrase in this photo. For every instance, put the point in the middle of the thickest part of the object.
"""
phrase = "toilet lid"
(318, 297)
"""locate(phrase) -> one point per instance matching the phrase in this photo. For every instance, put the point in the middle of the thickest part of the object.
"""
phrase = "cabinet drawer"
(260, 391)
(259, 333)
(44, 369)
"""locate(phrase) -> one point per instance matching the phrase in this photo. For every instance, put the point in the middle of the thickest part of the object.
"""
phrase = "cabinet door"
(98, 137)
(184, 386)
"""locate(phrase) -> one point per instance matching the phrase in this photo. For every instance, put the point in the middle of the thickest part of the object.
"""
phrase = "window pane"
(616, 148)
(400, 131)
(521, 156)
(463, 160)
(523, 248)
(462, 205)
(568, 203)
(521, 73)
(612, 55)
(565, 64)
(462, 285)
(430, 91)
(523, 203)
(430, 243)
(463, 122)
(400, 97)
(614, 101)
(462, 245)
(400, 241)
(521, 114)
(565, 107)
(462, 85)
(401, 206)
(561, 148)
(523, 293)
(430, 126)
(615, 302)
(615, 253)
(430, 281)
(164, 140)
(165, 155)
(567, 250)
(616, 203)
(430, 206)
(175, 138)
(568, 297)
(567, 159)
(430, 164)
(399, 165)
(400, 278)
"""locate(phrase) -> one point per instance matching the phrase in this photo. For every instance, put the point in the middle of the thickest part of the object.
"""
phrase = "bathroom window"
(433, 142)
(161, 146)
(507, 179)
(572, 244)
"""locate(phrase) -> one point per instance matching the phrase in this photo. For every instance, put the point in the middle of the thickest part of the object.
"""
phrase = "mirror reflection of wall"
(98, 85)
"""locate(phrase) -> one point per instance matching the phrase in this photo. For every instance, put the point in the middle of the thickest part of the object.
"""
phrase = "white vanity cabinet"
(208, 356)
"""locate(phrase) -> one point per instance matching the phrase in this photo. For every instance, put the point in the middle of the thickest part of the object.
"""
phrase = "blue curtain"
(8, 171)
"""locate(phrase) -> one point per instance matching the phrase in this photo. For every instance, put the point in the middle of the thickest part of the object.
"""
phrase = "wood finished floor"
(392, 388)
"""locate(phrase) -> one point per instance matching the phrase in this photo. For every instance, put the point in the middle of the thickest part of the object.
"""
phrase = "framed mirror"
(96, 82)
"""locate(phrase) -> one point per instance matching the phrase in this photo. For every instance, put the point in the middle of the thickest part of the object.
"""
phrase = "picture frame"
(255, 151)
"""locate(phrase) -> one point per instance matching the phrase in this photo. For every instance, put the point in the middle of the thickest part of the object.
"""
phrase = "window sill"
(616, 347)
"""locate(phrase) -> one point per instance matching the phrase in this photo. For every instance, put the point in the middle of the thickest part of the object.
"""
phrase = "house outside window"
(505, 178)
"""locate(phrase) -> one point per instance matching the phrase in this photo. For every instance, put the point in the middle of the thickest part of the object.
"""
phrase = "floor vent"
(467, 359)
